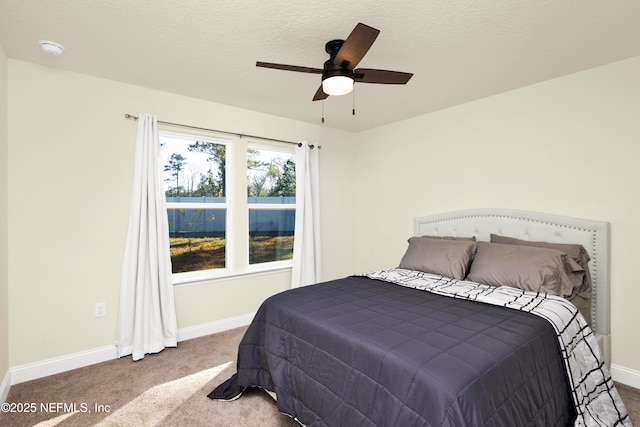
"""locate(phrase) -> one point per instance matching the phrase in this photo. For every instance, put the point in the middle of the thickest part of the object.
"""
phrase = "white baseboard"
(81, 359)
(5, 386)
(32, 371)
(627, 376)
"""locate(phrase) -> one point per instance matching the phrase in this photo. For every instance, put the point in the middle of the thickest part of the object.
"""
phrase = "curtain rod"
(299, 144)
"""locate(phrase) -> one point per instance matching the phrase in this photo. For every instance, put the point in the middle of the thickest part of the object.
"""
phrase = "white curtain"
(147, 322)
(306, 244)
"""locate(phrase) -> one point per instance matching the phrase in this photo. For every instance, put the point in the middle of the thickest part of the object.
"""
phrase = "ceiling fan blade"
(320, 95)
(368, 75)
(289, 67)
(356, 46)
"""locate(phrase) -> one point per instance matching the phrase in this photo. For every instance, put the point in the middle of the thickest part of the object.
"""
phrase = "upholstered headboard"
(536, 226)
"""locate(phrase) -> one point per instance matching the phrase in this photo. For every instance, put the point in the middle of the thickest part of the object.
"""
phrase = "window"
(195, 189)
(271, 190)
(219, 224)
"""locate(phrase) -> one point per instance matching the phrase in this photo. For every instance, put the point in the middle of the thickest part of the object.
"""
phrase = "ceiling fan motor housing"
(330, 68)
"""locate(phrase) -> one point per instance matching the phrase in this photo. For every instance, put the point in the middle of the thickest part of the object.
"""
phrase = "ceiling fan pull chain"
(353, 98)
(323, 111)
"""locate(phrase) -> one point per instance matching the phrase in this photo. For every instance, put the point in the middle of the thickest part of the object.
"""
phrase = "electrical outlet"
(101, 309)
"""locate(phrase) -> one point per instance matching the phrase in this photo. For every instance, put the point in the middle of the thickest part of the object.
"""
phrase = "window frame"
(282, 264)
(237, 206)
(214, 273)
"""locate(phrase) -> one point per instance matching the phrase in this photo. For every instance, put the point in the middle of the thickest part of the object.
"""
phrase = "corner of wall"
(4, 226)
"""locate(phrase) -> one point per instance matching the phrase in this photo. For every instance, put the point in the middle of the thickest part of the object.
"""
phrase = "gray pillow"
(576, 252)
(526, 267)
(450, 258)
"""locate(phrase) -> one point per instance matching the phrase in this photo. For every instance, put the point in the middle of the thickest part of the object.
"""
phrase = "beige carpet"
(166, 389)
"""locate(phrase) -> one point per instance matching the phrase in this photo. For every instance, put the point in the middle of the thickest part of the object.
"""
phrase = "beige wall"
(4, 208)
(70, 171)
(568, 146)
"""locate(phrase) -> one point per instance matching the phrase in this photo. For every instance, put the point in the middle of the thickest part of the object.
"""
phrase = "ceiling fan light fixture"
(337, 85)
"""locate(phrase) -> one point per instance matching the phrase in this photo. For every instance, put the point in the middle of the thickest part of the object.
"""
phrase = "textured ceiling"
(459, 51)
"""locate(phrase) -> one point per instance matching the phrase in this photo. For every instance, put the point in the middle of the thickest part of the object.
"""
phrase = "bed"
(413, 346)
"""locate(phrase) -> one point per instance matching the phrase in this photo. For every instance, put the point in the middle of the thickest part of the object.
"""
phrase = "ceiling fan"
(339, 72)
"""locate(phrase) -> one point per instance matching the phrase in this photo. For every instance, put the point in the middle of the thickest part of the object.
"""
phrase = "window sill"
(226, 276)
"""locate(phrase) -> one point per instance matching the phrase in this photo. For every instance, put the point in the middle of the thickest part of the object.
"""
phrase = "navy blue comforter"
(362, 352)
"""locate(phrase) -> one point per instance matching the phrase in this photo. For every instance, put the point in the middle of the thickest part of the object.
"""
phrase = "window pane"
(271, 176)
(197, 238)
(271, 179)
(193, 169)
(271, 235)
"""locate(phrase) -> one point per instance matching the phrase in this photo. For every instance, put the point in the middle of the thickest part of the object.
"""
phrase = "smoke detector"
(52, 48)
